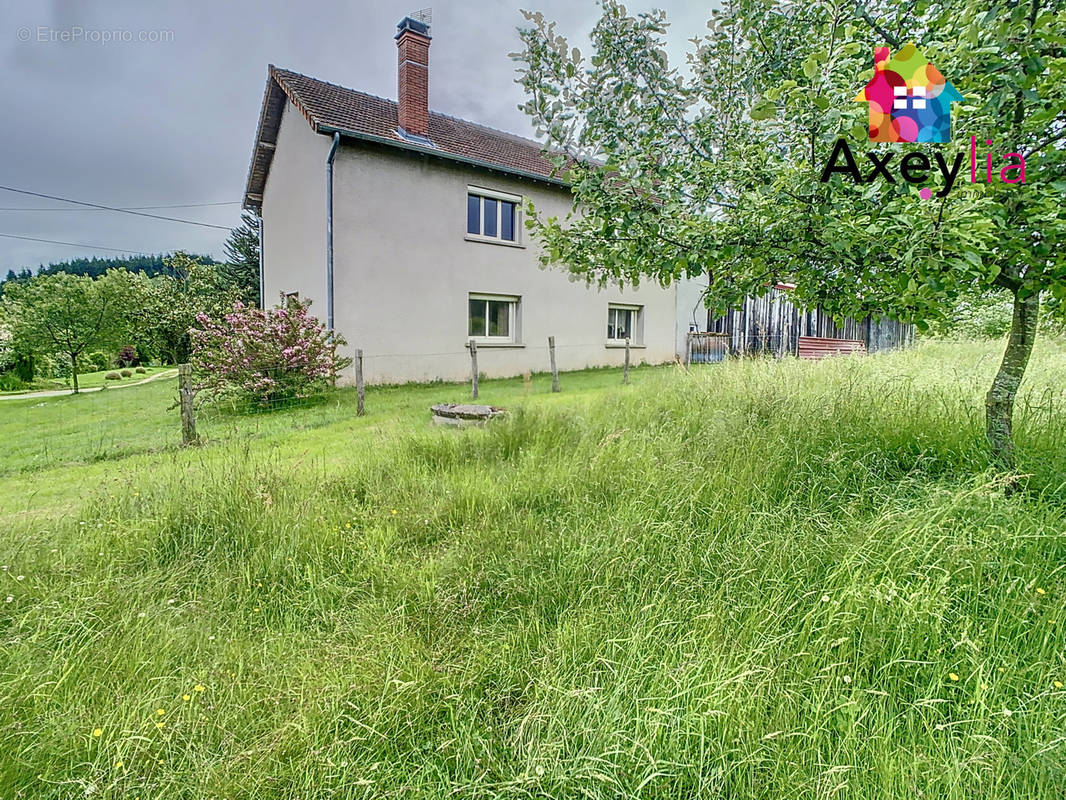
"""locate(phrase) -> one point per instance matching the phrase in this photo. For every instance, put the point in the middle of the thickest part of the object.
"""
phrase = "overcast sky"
(170, 120)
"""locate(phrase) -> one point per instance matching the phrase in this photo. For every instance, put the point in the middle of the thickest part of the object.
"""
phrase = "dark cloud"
(154, 104)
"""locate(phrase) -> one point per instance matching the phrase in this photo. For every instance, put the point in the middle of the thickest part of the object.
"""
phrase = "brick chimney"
(412, 41)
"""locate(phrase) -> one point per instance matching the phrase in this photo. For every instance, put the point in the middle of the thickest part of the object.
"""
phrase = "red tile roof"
(329, 108)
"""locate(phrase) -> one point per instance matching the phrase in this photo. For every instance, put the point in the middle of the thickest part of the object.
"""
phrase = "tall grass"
(758, 580)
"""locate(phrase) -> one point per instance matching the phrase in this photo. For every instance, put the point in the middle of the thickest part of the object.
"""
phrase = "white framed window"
(625, 322)
(492, 216)
(290, 298)
(493, 318)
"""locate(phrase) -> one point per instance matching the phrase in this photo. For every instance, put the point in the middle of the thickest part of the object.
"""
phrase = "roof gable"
(329, 109)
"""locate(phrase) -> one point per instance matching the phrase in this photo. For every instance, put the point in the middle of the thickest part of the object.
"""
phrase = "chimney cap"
(408, 24)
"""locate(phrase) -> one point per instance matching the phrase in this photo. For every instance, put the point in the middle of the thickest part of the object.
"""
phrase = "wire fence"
(167, 407)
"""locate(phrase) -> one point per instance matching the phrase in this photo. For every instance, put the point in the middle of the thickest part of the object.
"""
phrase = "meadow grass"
(760, 579)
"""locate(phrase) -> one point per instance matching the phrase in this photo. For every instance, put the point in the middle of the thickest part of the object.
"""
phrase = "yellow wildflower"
(953, 676)
(1040, 591)
(186, 697)
(198, 687)
(160, 711)
(160, 724)
(118, 765)
(1058, 684)
(98, 732)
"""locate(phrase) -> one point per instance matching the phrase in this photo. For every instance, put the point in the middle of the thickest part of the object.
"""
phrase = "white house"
(405, 228)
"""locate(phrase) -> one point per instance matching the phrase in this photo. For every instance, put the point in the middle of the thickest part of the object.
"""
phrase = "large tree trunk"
(74, 371)
(999, 402)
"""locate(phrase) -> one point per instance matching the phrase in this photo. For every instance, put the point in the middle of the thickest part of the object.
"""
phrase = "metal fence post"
(625, 372)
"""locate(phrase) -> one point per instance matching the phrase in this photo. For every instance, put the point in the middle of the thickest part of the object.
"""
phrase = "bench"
(815, 347)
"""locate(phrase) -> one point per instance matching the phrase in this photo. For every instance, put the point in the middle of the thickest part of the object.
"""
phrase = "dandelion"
(186, 697)
(984, 685)
(1057, 684)
(98, 732)
(952, 676)
(198, 687)
(1040, 591)
(160, 711)
(160, 724)
(119, 764)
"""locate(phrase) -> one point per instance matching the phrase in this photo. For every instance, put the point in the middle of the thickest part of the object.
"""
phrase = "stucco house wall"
(404, 268)
(294, 214)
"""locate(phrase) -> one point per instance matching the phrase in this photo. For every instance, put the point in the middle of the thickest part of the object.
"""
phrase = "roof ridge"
(499, 131)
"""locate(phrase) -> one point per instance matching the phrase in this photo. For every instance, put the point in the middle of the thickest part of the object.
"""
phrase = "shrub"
(266, 356)
(127, 356)
(141, 370)
(112, 376)
(99, 361)
(126, 373)
(11, 382)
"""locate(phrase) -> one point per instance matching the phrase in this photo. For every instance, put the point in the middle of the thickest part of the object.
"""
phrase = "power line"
(112, 208)
(127, 208)
(70, 244)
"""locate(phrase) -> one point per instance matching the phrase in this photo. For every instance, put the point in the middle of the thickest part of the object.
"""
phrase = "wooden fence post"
(360, 406)
(473, 369)
(625, 372)
(555, 370)
(186, 393)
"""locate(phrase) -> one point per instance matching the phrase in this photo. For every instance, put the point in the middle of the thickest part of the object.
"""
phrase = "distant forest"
(150, 265)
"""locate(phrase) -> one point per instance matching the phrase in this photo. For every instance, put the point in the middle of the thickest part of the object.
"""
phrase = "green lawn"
(92, 380)
(757, 580)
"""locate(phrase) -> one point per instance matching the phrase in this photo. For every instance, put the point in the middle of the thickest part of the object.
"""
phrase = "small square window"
(624, 322)
(899, 91)
(919, 102)
(899, 102)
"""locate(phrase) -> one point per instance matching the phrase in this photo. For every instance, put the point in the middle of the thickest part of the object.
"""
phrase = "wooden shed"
(772, 325)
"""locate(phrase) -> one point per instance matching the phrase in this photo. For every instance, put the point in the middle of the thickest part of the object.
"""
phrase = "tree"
(64, 314)
(163, 309)
(718, 172)
(242, 257)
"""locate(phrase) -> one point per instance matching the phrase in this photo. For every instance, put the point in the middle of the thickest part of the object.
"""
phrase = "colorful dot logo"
(909, 99)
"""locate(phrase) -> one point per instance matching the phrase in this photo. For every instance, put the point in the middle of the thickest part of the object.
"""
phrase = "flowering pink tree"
(266, 356)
